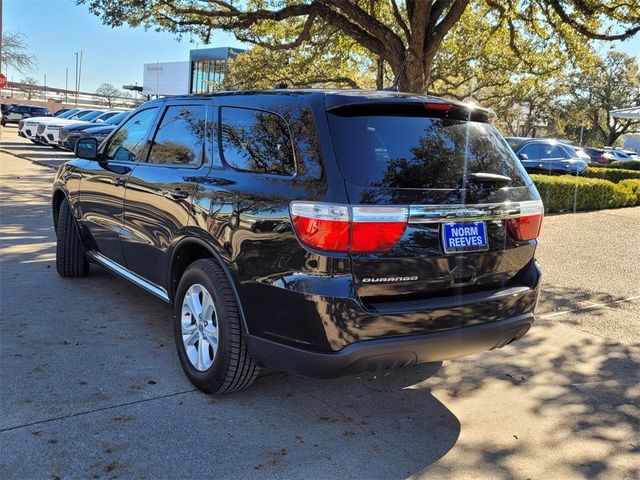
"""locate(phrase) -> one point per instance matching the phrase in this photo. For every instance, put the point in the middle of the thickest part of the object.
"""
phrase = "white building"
(166, 78)
(203, 73)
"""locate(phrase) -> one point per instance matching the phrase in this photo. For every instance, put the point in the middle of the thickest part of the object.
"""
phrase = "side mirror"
(87, 148)
(523, 156)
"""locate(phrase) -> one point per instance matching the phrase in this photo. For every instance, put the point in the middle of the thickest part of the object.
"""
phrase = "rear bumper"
(372, 355)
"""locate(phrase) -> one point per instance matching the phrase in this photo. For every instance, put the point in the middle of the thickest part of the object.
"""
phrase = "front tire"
(71, 260)
(208, 331)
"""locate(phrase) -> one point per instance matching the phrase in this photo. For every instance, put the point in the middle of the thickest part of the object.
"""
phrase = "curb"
(24, 157)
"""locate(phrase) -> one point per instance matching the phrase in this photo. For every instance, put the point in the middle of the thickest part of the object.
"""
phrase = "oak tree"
(408, 38)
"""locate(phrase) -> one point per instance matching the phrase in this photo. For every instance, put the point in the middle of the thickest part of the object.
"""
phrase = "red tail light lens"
(322, 226)
(377, 229)
(527, 226)
(339, 228)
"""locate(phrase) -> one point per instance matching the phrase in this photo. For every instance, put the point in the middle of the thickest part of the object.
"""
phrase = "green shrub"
(618, 165)
(625, 165)
(611, 174)
(633, 185)
(559, 193)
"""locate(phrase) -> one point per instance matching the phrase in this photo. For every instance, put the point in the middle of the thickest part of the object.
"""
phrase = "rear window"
(419, 151)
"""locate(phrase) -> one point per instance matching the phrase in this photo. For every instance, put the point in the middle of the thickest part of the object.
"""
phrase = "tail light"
(340, 228)
(527, 225)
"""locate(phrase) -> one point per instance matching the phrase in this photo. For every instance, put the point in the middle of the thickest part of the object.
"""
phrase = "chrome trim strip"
(485, 211)
(127, 274)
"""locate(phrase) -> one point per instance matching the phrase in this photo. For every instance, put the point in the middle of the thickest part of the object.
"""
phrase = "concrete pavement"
(90, 386)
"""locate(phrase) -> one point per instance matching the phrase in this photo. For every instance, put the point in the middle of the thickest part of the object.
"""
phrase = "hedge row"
(560, 193)
(632, 184)
(613, 174)
(618, 165)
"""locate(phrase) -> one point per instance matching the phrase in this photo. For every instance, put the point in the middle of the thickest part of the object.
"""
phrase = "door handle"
(120, 182)
(178, 193)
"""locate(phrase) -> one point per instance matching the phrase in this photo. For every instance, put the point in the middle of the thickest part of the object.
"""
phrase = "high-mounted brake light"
(339, 228)
(444, 107)
(527, 225)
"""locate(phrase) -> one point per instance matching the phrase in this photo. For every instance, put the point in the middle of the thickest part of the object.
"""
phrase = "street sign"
(3, 81)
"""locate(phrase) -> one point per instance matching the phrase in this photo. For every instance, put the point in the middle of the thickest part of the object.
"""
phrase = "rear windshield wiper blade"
(487, 177)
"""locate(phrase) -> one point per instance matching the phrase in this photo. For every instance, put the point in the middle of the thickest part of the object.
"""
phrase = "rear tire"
(207, 319)
(71, 260)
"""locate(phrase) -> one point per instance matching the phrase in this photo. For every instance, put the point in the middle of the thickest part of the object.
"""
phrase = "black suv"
(539, 155)
(18, 112)
(318, 232)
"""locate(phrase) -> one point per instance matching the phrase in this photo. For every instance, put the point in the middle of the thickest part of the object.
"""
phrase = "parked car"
(18, 112)
(621, 155)
(99, 133)
(39, 125)
(539, 155)
(69, 134)
(318, 232)
(27, 128)
(599, 155)
(51, 132)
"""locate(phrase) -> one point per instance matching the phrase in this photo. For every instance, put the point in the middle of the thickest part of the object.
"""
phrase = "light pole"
(66, 84)
(76, 79)
(80, 72)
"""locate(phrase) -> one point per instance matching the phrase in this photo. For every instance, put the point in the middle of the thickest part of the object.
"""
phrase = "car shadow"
(100, 344)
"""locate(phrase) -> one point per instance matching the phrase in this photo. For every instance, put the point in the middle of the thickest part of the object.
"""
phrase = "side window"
(127, 144)
(181, 136)
(551, 151)
(256, 141)
(532, 151)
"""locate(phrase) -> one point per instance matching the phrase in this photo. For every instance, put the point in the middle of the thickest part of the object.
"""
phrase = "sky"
(56, 29)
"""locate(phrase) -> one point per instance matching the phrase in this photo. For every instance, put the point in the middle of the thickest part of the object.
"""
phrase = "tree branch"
(398, 16)
(566, 17)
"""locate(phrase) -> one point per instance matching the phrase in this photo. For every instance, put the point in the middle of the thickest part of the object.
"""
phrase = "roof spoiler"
(432, 108)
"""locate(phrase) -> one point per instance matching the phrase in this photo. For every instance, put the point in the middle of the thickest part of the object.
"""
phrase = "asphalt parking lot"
(91, 386)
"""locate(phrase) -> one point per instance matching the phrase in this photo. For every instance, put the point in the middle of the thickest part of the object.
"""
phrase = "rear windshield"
(418, 151)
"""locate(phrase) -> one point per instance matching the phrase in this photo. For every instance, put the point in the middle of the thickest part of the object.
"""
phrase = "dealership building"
(201, 74)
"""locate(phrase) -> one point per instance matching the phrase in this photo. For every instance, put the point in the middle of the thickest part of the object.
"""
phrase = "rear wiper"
(487, 177)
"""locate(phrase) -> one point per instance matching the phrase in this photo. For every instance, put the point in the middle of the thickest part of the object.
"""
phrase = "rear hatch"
(470, 212)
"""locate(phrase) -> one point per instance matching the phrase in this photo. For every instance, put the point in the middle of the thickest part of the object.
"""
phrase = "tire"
(231, 367)
(71, 260)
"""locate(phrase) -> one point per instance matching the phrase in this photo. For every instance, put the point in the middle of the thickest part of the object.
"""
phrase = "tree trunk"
(380, 74)
(412, 76)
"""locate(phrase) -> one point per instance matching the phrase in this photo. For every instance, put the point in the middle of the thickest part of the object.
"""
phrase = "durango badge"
(390, 279)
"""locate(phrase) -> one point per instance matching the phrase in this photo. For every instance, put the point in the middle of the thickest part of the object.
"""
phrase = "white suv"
(27, 128)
